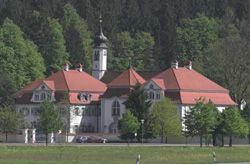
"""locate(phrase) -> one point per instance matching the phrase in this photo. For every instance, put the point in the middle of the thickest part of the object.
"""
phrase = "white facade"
(99, 62)
(112, 110)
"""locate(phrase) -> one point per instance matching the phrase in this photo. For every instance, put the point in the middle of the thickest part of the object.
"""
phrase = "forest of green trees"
(38, 36)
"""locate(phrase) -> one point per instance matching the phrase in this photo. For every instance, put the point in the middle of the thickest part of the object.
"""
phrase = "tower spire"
(100, 38)
(100, 52)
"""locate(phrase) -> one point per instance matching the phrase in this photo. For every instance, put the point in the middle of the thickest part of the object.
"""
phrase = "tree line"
(161, 119)
(36, 37)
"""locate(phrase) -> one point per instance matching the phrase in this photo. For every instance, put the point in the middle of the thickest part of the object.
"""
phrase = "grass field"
(119, 155)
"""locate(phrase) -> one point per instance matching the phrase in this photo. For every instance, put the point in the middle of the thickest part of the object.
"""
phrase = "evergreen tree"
(234, 124)
(78, 38)
(144, 51)
(128, 125)
(201, 120)
(50, 120)
(166, 119)
(122, 51)
(139, 105)
(56, 54)
(18, 56)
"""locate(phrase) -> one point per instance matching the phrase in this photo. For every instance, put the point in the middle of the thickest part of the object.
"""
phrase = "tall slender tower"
(99, 54)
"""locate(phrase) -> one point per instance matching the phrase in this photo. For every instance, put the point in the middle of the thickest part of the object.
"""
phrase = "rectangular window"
(158, 96)
(49, 96)
(36, 97)
(96, 56)
(104, 53)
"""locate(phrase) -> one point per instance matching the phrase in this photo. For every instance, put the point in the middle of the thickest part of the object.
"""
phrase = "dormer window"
(151, 95)
(85, 97)
(42, 96)
(151, 86)
(158, 96)
(36, 98)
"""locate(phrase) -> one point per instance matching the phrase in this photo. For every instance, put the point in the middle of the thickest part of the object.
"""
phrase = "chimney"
(188, 64)
(79, 67)
(65, 67)
(174, 64)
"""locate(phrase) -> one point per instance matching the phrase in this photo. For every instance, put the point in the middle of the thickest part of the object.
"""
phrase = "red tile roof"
(216, 98)
(185, 79)
(71, 80)
(111, 75)
(75, 100)
(159, 82)
(127, 79)
(62, 81)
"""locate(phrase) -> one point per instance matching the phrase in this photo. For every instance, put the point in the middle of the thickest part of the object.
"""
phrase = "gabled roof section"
(111, 75)
(48, 83)
(186, 79)
(81, 81)
(72, 80)
(159, 82)
(59, 80)
(127, 79)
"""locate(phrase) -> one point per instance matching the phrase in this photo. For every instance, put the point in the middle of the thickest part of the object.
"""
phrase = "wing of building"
(96, 102)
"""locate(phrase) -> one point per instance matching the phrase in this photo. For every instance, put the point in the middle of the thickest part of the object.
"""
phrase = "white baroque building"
(96, 102)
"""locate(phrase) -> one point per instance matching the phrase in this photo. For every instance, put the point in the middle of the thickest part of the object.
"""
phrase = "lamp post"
(142, 121)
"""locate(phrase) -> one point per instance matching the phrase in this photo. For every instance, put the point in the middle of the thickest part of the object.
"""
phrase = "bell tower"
(99, 54)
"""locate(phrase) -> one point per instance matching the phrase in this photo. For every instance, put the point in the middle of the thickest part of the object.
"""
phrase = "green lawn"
(119, 155)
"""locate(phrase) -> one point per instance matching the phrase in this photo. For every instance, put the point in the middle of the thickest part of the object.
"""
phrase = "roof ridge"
(134, 76)
(138, 75)
(176, 78)
(65, 80)
(210, 80)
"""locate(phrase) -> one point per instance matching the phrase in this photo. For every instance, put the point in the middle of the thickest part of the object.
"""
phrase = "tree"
(19, 57)
(228, 64)
(201, 120)
(194, 38)
(78, 38)
(166, 119)
(67, 118)
(144, 51)
(139, 105)
(245, 113)
(128, 125)
(233, 124)
(7, 89)
(10, 121)
(50, 120)
(140, 48)
(122, 51)
(56, 54)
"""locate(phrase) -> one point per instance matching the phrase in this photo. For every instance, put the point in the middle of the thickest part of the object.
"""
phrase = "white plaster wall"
(74, 119)
(83, 119)
(106, 116)
(29, 118)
